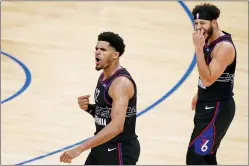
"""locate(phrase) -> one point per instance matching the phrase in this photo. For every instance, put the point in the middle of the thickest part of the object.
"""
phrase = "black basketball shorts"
(211, 122)
(126, 153)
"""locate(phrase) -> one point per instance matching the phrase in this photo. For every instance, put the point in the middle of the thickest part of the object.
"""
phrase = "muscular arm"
(222, 56)
(120, 91)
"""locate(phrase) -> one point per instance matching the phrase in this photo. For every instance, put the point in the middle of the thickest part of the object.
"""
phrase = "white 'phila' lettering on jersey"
(100, 121)
(103, 112)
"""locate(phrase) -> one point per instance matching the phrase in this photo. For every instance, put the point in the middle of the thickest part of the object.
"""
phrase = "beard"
(102, 66)
(98, 68)
(209, 32)
(105, 64)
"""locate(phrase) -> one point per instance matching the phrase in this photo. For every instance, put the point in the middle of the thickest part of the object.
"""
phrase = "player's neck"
(217, 33)
(111, 70)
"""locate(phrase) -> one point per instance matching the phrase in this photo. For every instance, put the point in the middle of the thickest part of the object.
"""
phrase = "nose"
(97, 52)
(198, 26)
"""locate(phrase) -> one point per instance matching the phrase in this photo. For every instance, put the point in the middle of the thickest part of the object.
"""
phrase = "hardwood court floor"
(57, 46)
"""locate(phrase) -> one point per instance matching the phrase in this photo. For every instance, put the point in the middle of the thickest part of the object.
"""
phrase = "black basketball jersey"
(222, 88)
(104, 104)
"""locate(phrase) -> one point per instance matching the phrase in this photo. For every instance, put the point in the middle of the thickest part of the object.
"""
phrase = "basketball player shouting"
(115, 141)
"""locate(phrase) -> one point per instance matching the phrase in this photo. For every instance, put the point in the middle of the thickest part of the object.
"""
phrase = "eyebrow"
(101, 48)
(196, 22)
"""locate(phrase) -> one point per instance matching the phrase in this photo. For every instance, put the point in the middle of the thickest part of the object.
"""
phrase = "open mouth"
(97, 59)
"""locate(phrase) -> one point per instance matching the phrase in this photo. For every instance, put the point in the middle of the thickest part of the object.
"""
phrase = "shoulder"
(123, 79)
(224, 46)
(122, 85)
(224, 51)
(122, 82)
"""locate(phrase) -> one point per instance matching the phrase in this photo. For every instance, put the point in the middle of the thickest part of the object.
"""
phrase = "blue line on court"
(178, 84)
(27, 81)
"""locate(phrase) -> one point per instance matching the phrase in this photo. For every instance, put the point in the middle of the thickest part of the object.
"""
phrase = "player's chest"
(100, 93)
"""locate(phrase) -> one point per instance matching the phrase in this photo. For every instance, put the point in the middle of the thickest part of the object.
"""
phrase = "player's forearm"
(203, 68)
(106, 134)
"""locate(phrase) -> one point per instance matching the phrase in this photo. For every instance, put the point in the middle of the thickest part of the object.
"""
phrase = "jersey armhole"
(221, 43)
(107, 97)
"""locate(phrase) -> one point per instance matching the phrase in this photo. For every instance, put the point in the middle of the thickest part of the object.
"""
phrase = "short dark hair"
(207, 8)
(114, 40)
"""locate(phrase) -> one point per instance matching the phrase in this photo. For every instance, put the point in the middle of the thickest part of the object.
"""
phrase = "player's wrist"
(82, 148)
(91, 109)
(199, 51)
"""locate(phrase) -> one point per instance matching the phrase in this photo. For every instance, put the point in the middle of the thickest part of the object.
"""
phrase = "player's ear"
(214, 23)
(116, 55)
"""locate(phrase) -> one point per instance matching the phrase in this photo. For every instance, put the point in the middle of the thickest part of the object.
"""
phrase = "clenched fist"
(83, 102)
